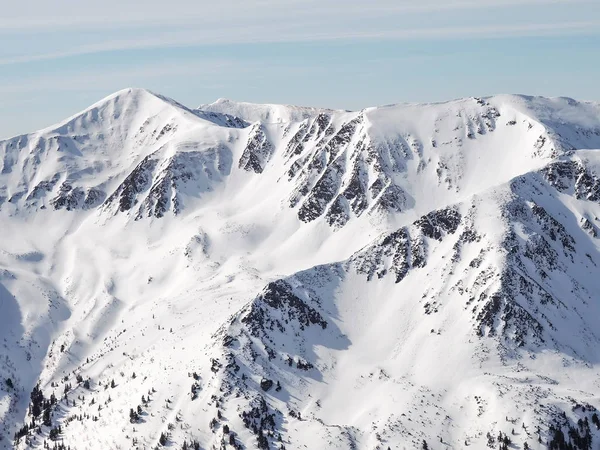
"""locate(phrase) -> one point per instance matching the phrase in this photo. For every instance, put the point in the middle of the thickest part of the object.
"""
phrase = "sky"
(57, 58)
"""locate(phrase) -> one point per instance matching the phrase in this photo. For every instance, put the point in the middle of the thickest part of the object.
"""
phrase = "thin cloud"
(286, 34)
(111, 15)
(82, 80)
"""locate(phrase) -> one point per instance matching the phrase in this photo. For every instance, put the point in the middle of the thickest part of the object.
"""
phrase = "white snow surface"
(406, 273)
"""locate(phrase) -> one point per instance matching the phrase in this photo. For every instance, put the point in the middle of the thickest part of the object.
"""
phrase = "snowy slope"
(259, 276)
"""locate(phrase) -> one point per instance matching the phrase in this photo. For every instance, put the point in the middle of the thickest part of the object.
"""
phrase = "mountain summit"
(269, 276)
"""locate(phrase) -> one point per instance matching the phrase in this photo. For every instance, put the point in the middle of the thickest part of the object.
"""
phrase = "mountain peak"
(120, 106)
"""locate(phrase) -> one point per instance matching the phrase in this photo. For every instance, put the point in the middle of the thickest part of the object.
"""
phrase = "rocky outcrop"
(257, 152)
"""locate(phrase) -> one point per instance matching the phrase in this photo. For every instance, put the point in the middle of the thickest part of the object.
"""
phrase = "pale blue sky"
(58, 57)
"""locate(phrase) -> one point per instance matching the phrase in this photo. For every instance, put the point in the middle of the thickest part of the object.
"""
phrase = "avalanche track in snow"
(265, 276)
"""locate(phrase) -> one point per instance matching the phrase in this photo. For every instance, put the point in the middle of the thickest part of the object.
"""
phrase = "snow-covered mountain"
(268, 276)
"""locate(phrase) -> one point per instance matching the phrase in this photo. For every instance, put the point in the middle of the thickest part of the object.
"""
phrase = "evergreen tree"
(46, 420)
(37, 400)
(133, 416)
(54, 433)
(263, 443)
(163, 439)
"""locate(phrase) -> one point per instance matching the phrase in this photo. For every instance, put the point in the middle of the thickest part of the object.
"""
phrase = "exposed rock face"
(43, 187)
(258, 151)
(190, 172)
(70, 198)
(322, 193)
(138, 181)
(572, 175)
(405, 248)
(158, 183)
(279, 296)
(224, 120)
(334, 178)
